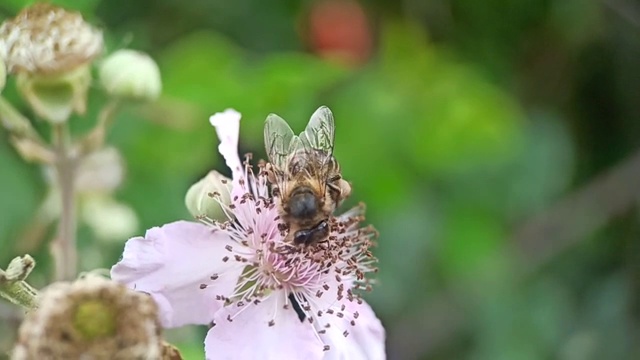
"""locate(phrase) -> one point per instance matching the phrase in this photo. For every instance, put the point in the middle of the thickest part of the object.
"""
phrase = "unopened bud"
(92, 318)
(207, 196)
(132, 75)
(110, 220)
(101, 171)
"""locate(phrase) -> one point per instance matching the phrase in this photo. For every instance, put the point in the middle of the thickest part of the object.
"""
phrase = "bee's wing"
(279, 141)
(320, 132)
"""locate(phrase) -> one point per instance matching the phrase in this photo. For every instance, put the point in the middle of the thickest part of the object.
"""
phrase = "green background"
(477, 133)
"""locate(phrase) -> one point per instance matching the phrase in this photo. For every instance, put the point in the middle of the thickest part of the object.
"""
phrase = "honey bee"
(305, 175)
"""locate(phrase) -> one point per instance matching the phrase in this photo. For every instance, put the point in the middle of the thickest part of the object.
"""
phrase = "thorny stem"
(64, 247)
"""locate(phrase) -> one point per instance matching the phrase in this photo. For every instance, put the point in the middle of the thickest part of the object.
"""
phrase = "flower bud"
(92, 318)
(101, 171)
(131, 74)
(205, 197)
(110, 220)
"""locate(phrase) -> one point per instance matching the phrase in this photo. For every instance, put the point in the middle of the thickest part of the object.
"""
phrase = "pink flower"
(266, 298)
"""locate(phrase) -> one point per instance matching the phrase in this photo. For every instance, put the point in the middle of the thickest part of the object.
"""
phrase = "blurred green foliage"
(468, 119)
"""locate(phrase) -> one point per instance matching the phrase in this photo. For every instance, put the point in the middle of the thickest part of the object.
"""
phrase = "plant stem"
(95, 139)
(64, 247)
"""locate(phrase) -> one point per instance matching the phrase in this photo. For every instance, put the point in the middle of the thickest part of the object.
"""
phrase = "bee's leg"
(342, 188)
(334, 187)
(297, 307)
(333, 184)
(345, 188)
(334, 178)
(271, 175)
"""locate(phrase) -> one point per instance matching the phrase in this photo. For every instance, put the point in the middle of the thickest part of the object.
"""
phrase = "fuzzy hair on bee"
(305, 175)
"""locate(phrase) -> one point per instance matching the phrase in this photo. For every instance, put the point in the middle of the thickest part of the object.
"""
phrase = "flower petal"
(171, 262)
(227, 126)
(364, 340)
(249, 336)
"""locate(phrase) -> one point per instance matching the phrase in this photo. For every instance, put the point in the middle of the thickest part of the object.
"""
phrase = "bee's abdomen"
(303, 204)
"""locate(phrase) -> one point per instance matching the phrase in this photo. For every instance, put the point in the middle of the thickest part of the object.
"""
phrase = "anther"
(214, 277)
(272, 323)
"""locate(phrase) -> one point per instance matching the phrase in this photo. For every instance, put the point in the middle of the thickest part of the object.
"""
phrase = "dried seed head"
(90, 318)
(47, 40)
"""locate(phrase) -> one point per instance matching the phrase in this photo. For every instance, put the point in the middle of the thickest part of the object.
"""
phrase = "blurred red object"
(339, 30)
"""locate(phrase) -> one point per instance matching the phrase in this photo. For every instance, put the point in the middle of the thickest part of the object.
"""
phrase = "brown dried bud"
(47, 40)
(92, 318)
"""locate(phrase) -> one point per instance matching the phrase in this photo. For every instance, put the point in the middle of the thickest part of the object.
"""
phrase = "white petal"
(249, 335)
(227, 126)
(365, 339)
(171, 262)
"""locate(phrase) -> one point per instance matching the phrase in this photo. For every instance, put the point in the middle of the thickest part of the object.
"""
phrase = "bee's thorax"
(303, 203)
